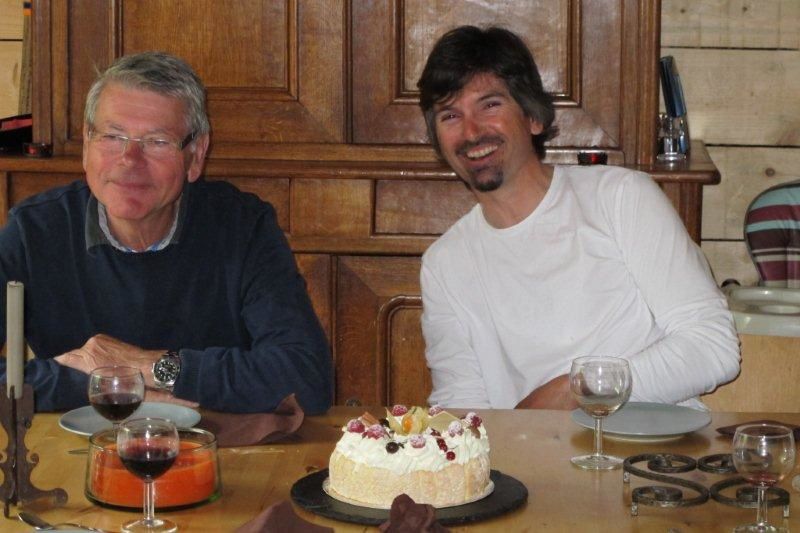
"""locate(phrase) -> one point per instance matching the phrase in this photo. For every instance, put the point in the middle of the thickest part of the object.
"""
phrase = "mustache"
(466, 146)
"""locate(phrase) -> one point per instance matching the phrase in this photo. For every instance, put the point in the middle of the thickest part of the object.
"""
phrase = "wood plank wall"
(739, 61)
(10, 55)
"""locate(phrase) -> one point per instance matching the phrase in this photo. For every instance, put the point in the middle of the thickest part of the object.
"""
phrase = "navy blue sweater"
(227, 294)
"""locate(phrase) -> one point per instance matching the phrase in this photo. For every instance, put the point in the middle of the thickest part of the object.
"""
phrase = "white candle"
(15, 338)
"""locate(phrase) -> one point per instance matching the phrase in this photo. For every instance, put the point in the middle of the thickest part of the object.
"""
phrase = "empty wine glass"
(147, 448)
(116, 392)
(601, 385)
(763, 454)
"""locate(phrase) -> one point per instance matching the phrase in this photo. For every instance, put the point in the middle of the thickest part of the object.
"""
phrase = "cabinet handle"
(353, 402)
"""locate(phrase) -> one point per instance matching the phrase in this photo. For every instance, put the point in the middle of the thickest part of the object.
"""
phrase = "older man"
(147, 265)
(554, 262)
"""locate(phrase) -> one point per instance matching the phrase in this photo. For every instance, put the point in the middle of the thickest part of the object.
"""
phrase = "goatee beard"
(492, 184)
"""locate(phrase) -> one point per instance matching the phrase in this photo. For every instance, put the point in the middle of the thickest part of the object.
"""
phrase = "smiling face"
(484, 134)
(137, 189)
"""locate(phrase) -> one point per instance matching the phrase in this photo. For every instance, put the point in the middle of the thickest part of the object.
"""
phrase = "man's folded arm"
(699, 349)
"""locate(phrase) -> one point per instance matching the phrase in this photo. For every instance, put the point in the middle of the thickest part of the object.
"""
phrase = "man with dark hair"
(147, 265)
(554, 262)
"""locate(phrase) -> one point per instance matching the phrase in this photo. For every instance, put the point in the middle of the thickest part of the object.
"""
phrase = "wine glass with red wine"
(116, 392)
(147, 448)
(763, 454)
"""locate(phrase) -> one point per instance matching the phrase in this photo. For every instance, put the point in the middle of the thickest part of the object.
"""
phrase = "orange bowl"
(192, 480)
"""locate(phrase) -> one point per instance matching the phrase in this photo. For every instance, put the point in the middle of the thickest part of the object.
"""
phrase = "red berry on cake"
(450, 455)
(435, 433)
(442, 444)
(375, 431)
(355, 426)
(392, 447)
(455, 428)
(417, 441)
(434, 410)
(399, 410)
(473, 419)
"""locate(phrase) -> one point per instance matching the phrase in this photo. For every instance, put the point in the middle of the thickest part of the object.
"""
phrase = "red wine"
(148, 462)
(116, 406)
(764, 479)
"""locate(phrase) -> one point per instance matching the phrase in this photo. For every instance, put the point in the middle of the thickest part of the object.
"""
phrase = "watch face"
(166, 370)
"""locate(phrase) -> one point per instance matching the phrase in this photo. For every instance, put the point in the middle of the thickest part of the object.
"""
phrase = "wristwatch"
(166, 370)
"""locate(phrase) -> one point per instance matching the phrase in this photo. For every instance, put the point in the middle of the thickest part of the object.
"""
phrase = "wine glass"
(601, 385)
(116, 392)
(147, 448)
(763, 454)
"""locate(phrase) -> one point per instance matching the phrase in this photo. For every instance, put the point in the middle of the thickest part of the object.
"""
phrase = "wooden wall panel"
(331, 208)
(10, 19)
(364, 287)
(311, 106)
(317, 271)
(768, 379)
(687, 201)
(11, 57)
(414, 207)
(257, 54)
(423, 21)
(274, 191)
(730, 260)
(731, 23)
(408, 380)
(26, 184)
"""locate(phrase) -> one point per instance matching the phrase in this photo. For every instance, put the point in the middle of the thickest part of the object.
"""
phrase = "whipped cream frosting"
(372, 452)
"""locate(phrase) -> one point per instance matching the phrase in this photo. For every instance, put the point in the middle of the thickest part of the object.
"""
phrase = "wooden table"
(532, 446)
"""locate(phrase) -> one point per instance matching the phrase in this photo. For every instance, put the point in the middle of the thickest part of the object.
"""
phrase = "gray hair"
(158, 72)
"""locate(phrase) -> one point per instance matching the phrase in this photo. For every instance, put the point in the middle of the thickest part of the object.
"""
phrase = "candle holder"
(16, 416)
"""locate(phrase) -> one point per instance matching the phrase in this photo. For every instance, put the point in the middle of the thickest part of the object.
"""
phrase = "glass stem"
(598, 436)
(149, 498)
(761, 517)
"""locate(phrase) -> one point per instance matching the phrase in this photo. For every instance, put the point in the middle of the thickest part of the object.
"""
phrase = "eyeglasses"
(153, 147)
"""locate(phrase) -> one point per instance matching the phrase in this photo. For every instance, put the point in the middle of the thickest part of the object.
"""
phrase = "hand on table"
(555, 394)
(103, 350)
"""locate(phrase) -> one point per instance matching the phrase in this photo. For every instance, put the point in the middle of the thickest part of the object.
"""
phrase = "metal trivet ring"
(660, 496)
(719, 463)
(746, 496)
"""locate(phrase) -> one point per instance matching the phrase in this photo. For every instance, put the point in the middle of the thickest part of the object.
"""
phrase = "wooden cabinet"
(313, 106)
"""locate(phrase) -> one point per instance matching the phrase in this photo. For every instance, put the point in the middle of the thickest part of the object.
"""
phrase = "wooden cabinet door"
(380, 357)
(274, 70)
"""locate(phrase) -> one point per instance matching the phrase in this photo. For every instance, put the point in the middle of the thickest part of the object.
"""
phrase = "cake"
(428, 454)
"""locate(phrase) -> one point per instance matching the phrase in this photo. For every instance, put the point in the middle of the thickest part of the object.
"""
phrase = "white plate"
(85, 420)
(642, 421)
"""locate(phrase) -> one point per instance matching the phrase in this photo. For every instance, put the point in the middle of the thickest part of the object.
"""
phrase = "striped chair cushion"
(772, 235)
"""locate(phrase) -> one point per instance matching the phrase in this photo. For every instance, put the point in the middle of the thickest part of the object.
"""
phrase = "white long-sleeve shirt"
(602, 266)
